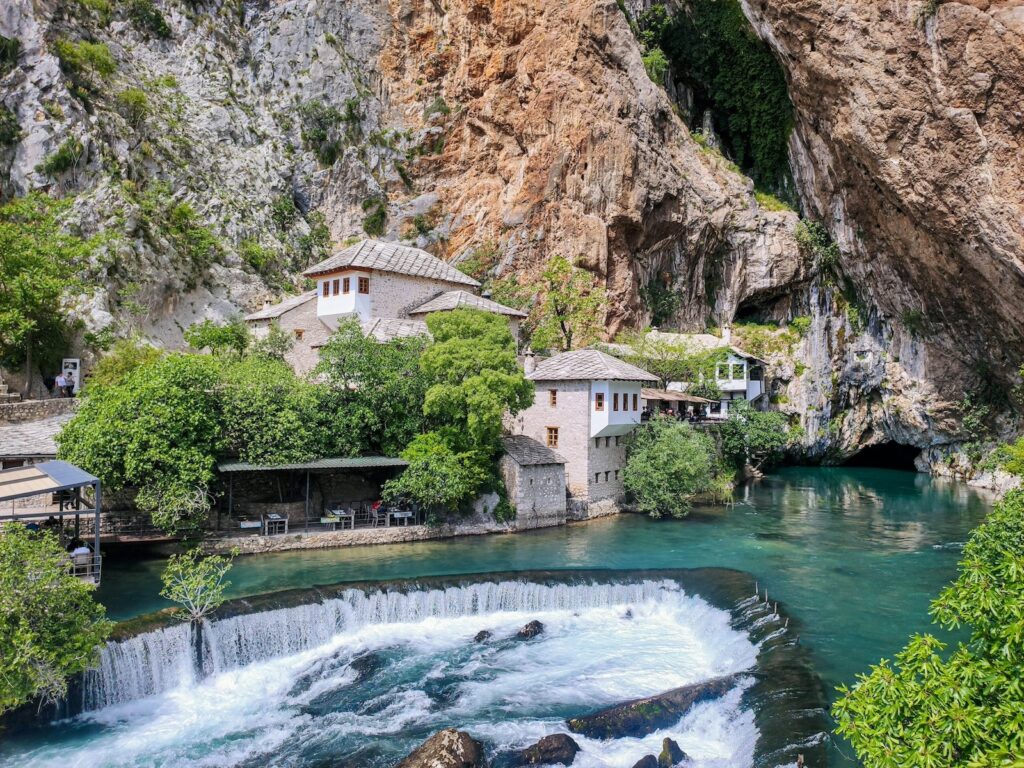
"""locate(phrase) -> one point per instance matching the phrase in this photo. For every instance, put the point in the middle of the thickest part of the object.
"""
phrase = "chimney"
(727, 333)
(266, 303)
(486, 294)
(529, 361)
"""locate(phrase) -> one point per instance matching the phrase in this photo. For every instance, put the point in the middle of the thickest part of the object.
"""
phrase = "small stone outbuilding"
(535, 479)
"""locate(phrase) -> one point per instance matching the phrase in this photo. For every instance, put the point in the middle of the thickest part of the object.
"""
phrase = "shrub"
(438, 477)
(148, 17)
(219, 338)
(10, 131)
(123, 357)
(79, 58)
(64, 159)
(817, 245)
(801, 324)
(319, 124)
(196, 583)
(133, 106)
(256, 256)
(436, 107)
(8, 54)
(770, 202)
(915, 322)
(376, 216)
(283, 212)
(753, 437)
(656, 64)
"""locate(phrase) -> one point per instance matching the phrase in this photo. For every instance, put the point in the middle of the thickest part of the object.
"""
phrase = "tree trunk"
(28, 367)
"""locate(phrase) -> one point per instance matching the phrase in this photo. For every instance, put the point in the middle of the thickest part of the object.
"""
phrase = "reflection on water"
(857, 554)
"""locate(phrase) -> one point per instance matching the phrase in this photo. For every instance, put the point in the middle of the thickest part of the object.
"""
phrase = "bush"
(148, 17)
(817, 245)
(77, 59)
(667, 464)
(124, 357)
(179, 223)
(10, 131)
(133, 106)
(283, 212)
(256, 256)
(753, 437)
(656, 64)
(438, 477)
(801, 324)
(376, 216)
(230, 337)
(196, 583)
(770, 202)
(50, 625)
(64, 159)
(8, 54)
(319, 128)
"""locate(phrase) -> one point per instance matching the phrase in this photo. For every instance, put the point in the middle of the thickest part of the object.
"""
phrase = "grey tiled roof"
(32, 438)
(269, 313)
(450, 300)
(588, 365)
(528, 452)
(391, 257)
(388, 328)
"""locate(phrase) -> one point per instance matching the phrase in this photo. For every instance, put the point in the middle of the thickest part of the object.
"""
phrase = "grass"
(770, 202)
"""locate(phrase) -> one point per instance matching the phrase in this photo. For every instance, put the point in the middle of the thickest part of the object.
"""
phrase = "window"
(552, 437)
(616, 474)
(346, 285)
(615, 401)
(327, 287)
(298, 334)
(616, 441)
(336, 286)
(607, 442)
(722, 371)
(552, 397)
(597, 442)
(597, 477)
(606, 476)
(636, 402)
(599, 401)
(739, 371)
(364, 285)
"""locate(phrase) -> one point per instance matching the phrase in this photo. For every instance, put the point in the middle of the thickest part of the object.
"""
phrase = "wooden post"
(307, 501)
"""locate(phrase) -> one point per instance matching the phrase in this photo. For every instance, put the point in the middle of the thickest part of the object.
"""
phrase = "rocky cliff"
(531, 129)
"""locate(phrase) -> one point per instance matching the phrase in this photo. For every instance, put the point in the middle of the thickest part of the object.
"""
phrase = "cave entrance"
(889, 455)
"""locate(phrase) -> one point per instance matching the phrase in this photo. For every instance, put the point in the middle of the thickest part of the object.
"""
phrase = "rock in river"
(530, 631)
(643, 716)
(482, 636)
(671, 755)
(647, 761)
(447, 749)
(557, 749)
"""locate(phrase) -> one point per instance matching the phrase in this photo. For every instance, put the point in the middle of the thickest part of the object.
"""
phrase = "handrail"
(87, 567)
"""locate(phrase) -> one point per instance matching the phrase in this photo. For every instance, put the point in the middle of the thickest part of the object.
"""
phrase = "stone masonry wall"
(536, 491)
(36, 410)
(607, 460)
(572, 417)
(394, 296)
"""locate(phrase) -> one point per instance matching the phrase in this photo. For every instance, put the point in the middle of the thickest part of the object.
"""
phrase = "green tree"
(276, 344)
(50, 625)
(438, 477)
(230, 337)
(270, 415)
(753, 437)
(935, 707)
(475, 378)
(158, 430)
(196, 583)
(123, 357)
(671, 359)
(570, 311)
(667, 464)
(376, 389)
(38, 264)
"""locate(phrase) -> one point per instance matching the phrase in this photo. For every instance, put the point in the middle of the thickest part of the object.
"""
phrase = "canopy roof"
(358, 462)
(672, 396)
(391, 257)
(41, 479)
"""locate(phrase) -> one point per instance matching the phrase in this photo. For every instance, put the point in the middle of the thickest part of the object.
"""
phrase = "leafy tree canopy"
(121, 359)
(753, 437)
(377, 389)
(50, 625)
(196, 583)
(159, 430)
(668, 463)
(38, 263)
(437, 477)
(474, 377)
(671, 360)
(219, 338)
(962, 707)
(570, 311)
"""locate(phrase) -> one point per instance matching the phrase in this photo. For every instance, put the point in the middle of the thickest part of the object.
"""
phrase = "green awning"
(358, 462)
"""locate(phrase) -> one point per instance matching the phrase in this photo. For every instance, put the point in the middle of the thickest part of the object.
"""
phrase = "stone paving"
(32, 438)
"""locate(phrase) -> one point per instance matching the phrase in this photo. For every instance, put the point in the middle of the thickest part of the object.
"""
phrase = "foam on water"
(282, 692)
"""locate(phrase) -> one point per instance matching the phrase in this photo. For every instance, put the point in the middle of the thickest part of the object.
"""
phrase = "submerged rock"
(671, 755)
(482, 636)
(556, 749)
(648, 761)
(366, 665)
(641, 717)
(530, 631)
(447, 749)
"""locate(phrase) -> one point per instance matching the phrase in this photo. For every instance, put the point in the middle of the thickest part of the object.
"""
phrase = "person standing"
(69, 384)
(62, 385)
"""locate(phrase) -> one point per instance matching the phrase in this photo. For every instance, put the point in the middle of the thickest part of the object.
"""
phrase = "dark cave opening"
(889, 455)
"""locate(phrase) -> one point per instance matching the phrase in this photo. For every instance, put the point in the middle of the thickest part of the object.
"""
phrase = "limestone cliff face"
(908, 144)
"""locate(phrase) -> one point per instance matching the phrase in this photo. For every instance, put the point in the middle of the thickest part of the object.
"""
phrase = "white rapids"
(280, 690)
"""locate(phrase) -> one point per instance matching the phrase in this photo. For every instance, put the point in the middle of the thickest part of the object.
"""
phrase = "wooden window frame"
(298, 333)
(636, 402)
(346, 285)
(327, 288)
(335, 287)
(363, 284)
(553, 398)
(615, 401)
(599, 401)
(552, 437)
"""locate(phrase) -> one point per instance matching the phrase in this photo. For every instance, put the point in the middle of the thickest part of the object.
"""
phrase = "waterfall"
(159, 661)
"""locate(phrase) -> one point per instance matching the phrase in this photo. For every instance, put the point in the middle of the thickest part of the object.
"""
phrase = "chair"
(379, 516)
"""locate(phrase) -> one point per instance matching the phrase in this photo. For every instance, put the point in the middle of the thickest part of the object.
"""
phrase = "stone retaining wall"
(35, 410)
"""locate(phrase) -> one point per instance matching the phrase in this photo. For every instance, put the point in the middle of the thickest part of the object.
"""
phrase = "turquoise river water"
(855, 554)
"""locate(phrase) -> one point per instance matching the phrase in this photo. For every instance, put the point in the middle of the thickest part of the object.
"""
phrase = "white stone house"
(586, 403)
(389, 288)
(534, 477)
